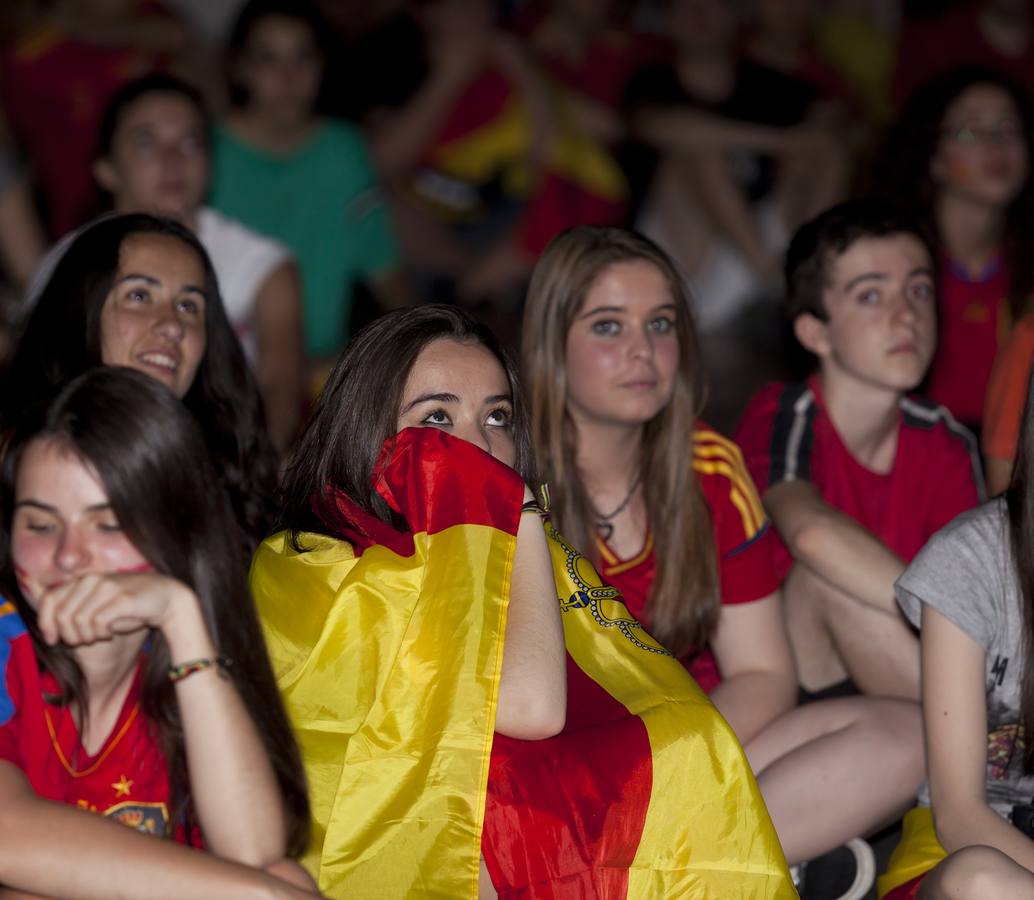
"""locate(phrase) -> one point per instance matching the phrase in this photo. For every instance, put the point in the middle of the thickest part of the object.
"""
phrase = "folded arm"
(53, 850)
(834, 546)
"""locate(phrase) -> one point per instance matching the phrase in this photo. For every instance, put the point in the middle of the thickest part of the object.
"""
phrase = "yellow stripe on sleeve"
(709, 445)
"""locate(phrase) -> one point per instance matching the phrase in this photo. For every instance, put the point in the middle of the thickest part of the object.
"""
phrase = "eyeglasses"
(971, 135)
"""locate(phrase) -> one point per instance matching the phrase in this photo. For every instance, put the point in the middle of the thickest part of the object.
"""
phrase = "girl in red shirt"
(664, 505)
(133, 678)
(959, 157)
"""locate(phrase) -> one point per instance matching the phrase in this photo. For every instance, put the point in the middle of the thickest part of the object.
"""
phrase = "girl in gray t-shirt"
(962, 591)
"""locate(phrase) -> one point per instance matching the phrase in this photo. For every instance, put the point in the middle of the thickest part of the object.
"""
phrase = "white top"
(243, 259)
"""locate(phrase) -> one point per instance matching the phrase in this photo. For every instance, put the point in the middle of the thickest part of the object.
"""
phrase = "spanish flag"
(388, 647)
(485, 148)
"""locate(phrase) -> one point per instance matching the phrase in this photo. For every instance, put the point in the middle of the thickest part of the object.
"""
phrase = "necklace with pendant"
(604, 528)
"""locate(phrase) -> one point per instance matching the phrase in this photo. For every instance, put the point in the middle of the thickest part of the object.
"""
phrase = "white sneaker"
(847, 872)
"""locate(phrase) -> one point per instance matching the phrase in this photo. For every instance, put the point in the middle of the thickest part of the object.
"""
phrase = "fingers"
(90, 609)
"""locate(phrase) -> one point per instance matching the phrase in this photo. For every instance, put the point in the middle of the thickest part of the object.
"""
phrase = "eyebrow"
(619, 309)
(424, 398)
(883, 276)
(46, 507)
(451, 398)
(151, 280)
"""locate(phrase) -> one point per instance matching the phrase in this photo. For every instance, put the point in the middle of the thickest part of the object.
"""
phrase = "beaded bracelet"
(186, 669)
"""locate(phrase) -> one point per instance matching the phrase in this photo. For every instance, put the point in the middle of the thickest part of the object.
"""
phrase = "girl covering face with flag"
(418, 609)
(132, 678)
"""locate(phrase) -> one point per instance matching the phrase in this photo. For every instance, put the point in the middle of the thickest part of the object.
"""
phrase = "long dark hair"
(359, 409)
(150, 457)
(684, 599)
(901, 175)
(62, 338)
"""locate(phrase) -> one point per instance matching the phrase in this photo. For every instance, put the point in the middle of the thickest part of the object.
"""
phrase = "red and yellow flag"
(388, 651)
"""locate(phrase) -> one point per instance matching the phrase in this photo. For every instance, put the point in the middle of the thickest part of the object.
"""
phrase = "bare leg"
(878, 650)
(837, 769)
(818, 662)
(486, 890)
(977, 872)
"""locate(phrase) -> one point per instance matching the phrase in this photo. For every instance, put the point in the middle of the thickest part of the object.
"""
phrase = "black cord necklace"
(604, 528)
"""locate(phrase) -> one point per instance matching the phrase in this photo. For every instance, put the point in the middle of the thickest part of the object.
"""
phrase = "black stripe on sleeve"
(792, 435)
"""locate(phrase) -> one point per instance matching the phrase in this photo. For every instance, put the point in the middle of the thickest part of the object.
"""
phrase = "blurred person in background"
(484, 162)
(59, 72)
(735, 155)
(288, 172)
(994, 34)
(959, 158)
(21, 235)
(153, 155)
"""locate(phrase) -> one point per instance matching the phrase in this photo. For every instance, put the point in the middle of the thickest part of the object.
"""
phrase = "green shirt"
(322, 200)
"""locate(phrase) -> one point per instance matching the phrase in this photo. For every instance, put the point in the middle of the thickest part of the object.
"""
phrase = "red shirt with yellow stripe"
(125, 780)
(742, 541)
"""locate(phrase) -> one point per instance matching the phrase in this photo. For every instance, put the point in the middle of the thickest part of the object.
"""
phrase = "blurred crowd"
(341, 159)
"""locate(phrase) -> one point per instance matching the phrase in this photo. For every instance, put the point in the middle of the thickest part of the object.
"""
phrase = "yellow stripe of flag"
(391, 685)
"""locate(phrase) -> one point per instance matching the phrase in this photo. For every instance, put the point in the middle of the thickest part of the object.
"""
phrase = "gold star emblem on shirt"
(122, 787)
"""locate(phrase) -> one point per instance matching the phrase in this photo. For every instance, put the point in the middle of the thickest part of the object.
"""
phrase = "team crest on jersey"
(604, 603)
(150, 818)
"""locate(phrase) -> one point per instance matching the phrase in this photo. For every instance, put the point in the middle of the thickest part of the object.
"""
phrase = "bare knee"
(897, 725)
(974, 873)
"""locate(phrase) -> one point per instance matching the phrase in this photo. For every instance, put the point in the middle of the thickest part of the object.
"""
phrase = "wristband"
(186, 669)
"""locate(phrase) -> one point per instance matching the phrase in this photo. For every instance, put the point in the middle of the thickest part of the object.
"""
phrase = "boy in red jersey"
(856, 474)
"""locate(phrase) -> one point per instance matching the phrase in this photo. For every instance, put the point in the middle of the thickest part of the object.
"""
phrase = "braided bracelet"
(186, 669)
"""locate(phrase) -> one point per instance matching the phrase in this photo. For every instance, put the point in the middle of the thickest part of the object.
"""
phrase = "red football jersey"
(125, 780)
(786, 434)
(973, 323)
(742, 541)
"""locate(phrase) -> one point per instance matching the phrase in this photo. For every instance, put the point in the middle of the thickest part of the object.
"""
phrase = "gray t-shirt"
(966, 573)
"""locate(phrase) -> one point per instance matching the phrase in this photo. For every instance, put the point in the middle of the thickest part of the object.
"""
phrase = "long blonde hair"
(683, 603)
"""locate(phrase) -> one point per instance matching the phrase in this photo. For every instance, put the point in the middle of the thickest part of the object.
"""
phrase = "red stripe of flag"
(564, 816)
